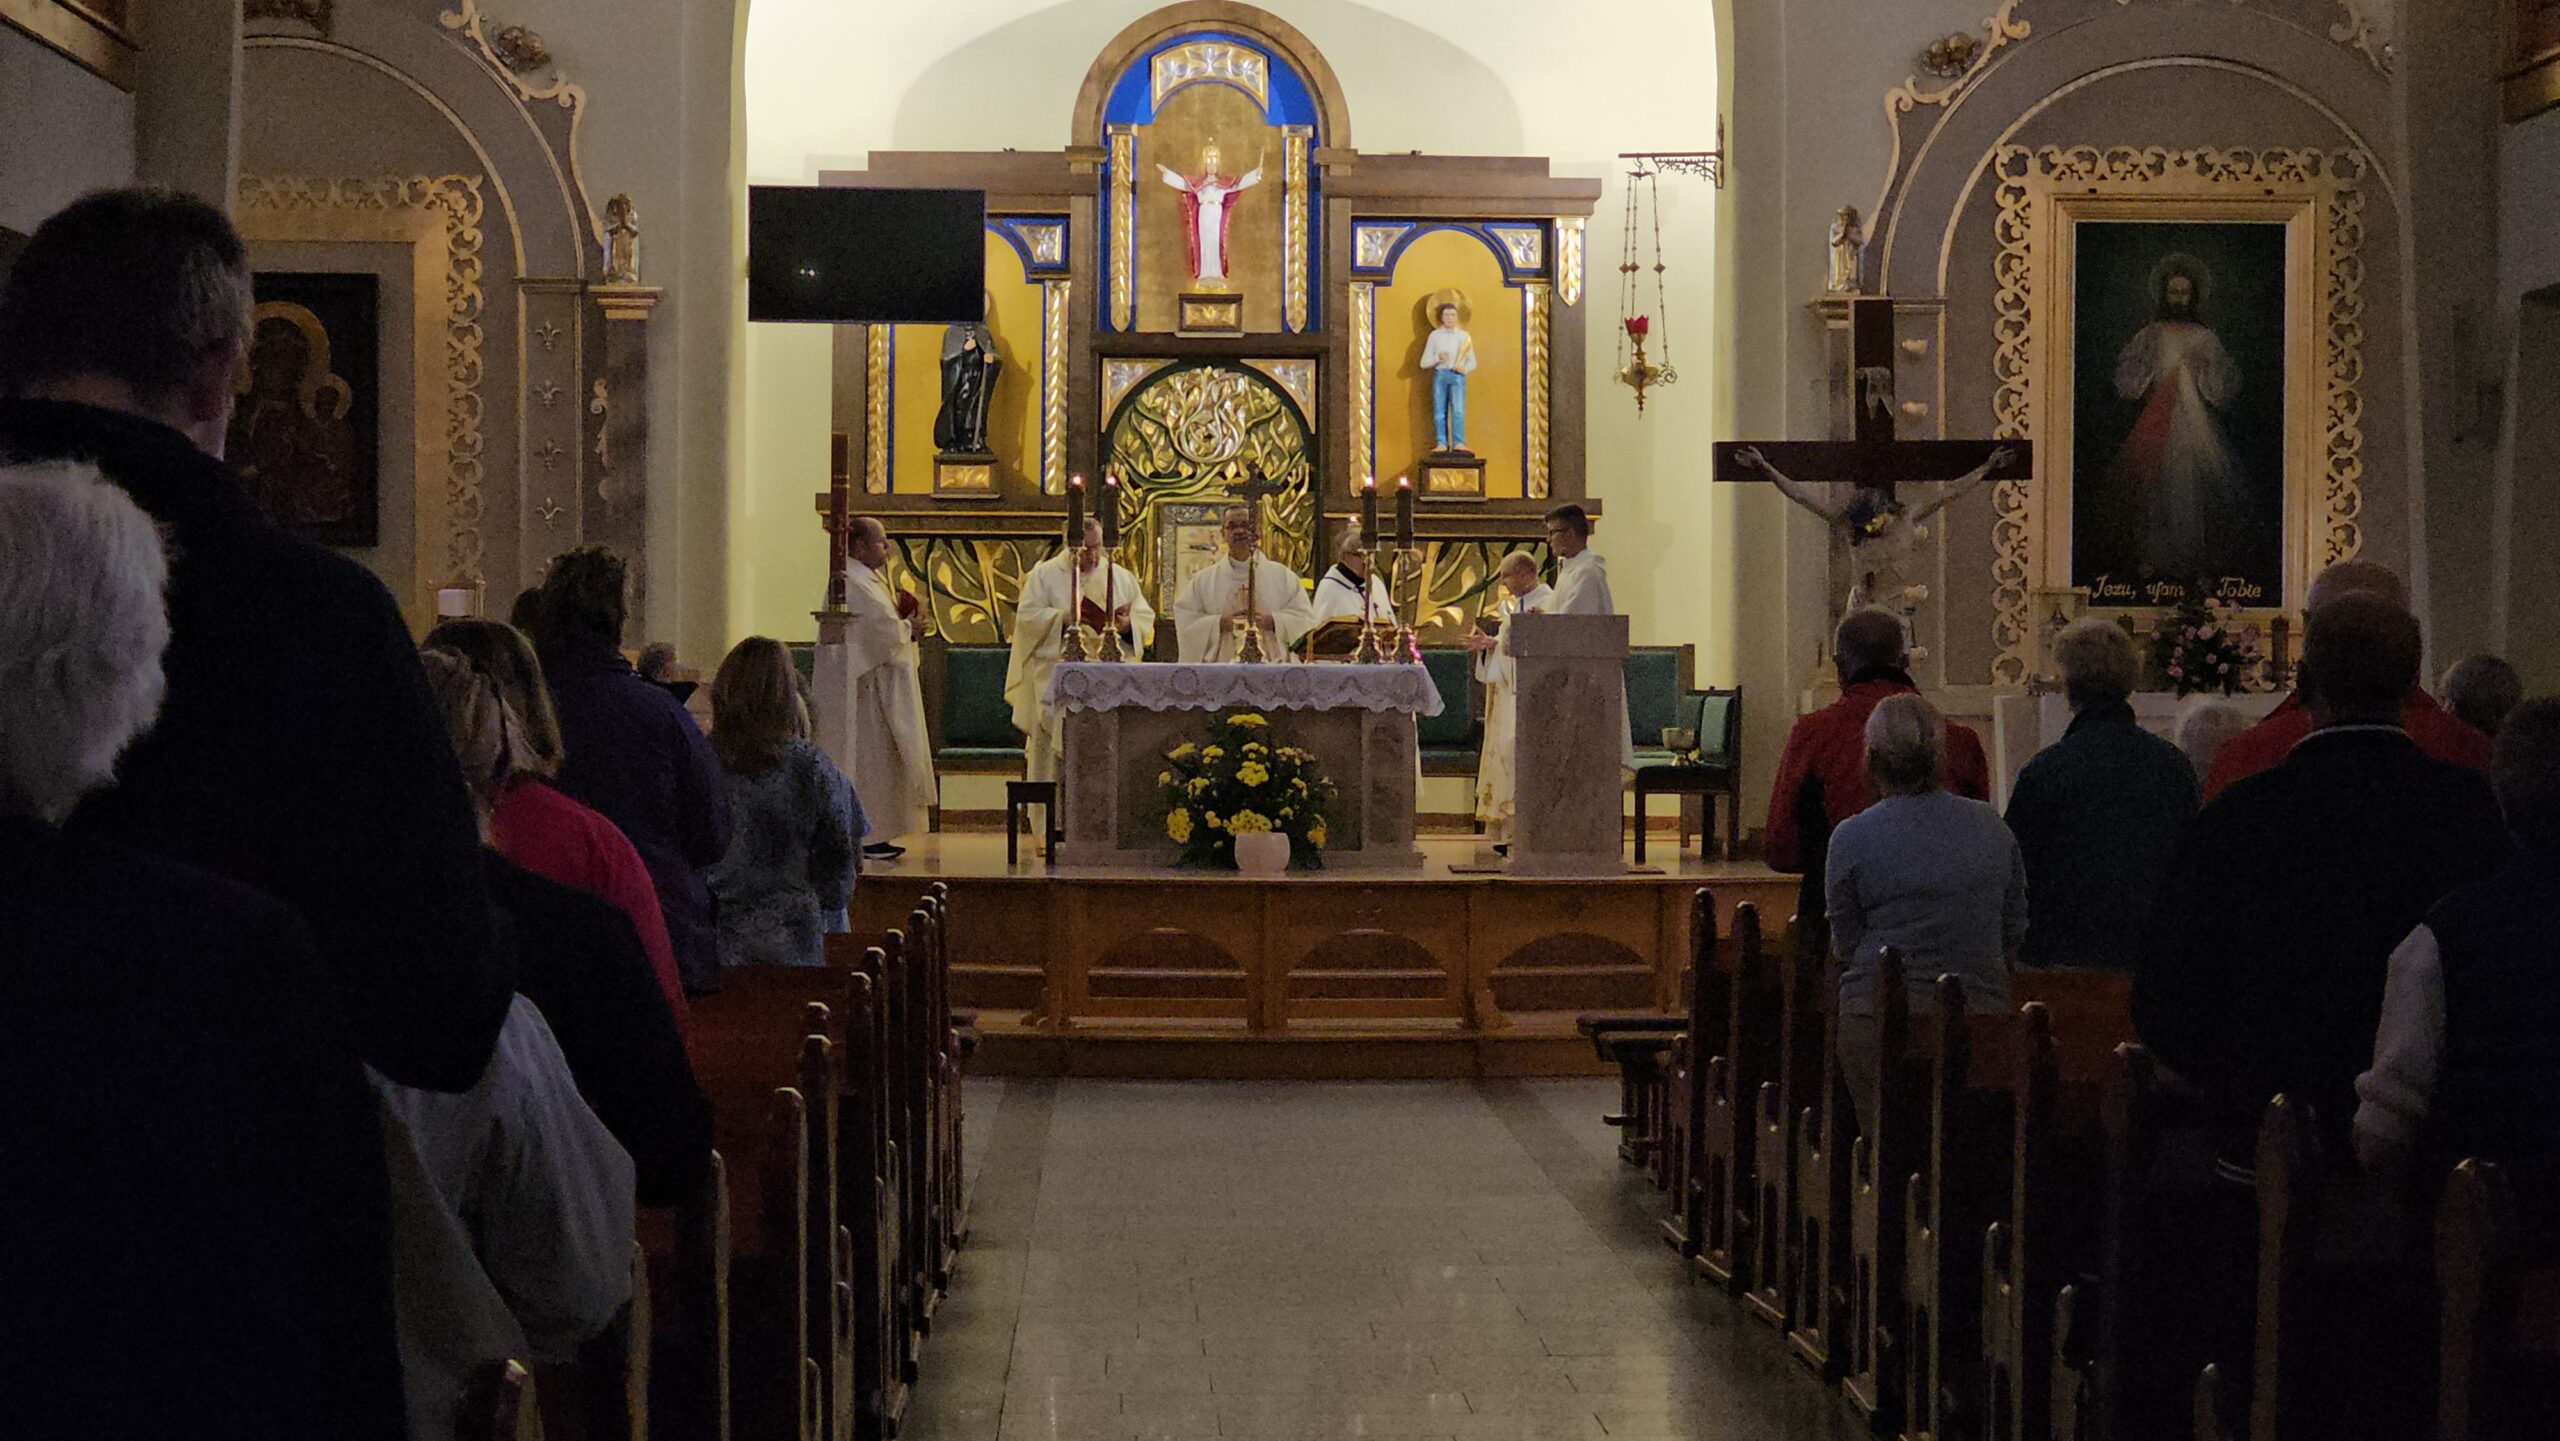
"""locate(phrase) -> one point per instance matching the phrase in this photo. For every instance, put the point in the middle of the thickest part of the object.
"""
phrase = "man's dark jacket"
(2281, 914)
(2099, 816)
(195, 1232)
(300, 752)
(631, 752)
(582, 964)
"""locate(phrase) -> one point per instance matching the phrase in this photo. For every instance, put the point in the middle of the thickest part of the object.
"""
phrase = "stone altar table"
(1119, 720)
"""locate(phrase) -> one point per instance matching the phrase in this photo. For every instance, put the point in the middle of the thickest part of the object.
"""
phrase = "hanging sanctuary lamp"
(1636, 370)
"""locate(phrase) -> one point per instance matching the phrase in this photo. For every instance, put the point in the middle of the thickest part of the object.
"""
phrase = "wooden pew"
(689, 1304)
(1705, 1127)
(2059, 1056)
(2342, 1290)
(1817, 1245)
(1870, 1340)
(603, 1395)
(1720, 1201)
(1777, 1111)
(2499, 1333)
(500, 1404)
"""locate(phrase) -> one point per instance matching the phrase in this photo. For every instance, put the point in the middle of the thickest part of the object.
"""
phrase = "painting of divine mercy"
(2178, 414)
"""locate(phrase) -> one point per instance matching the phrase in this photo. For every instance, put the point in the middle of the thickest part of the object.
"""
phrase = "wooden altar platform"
(1200, 974)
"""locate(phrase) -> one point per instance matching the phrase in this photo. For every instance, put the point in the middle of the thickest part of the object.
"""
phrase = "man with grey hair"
(1822, 775)
(298, 751)
(2481, 689)
(1354, 575)
(196, 1238)
(2436, 730)
(2466, 1061)
(2100, 813)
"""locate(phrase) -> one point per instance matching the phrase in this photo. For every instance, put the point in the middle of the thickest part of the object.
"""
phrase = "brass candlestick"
(1079, 642)
(1109, 652)
(1249, 651)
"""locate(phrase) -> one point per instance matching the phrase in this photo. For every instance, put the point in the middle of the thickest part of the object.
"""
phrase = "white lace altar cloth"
(1094, 686)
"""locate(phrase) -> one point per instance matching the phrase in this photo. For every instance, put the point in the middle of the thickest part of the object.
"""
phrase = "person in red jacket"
(2440, 734)
(1822, 777)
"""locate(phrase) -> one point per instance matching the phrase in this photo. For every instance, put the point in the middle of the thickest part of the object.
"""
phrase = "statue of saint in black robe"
(969, 366)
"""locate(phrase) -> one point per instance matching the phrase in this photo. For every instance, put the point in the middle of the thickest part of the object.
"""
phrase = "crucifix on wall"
(1852, 482)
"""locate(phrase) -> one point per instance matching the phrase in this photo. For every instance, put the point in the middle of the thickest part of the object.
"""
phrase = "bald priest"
(1059, 591)
(1210, 615)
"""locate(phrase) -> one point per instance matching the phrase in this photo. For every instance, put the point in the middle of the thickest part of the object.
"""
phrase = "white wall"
(829, 82)
(67, 132)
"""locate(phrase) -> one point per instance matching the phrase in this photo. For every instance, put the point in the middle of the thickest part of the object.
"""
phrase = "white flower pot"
(1262, 853)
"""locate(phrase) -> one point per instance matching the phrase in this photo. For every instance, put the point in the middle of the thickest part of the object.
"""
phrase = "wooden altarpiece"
(1332, 260)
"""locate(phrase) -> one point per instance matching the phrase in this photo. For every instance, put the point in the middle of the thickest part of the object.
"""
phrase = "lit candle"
(1075, 511)
(1111, 512)
(1404, 512)
(1369, 511)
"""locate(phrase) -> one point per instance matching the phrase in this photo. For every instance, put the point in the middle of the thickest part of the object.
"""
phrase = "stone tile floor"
(1181, 1261)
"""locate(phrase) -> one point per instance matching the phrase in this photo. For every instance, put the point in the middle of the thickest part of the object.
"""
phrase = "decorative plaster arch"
(1173, 21)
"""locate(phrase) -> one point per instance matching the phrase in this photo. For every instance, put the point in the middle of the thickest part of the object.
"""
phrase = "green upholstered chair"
(1657, 697)
(976, 722)
(1716, 716)
(1452, 740)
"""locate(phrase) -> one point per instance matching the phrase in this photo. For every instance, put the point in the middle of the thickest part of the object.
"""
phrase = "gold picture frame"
(2043, 196)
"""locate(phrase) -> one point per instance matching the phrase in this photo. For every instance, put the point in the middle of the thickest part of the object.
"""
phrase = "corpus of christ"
(1111, 720)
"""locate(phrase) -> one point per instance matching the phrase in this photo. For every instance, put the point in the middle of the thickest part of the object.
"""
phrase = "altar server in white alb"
(1518, 591)
(1058, 591)
(892, 760)
(1210, 614)
(1582, 588)
(1338, 594)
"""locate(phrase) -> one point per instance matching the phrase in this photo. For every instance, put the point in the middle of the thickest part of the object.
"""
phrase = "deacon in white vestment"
(1054, 596)
(1211, 608)
(892, 759)
(1338, 594)
(1582, 588)
(1497, 772)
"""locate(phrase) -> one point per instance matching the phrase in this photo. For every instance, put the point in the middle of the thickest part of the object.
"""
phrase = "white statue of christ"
(1205, 212)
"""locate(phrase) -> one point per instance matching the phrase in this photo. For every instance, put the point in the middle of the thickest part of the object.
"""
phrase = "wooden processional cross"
(1869, 456)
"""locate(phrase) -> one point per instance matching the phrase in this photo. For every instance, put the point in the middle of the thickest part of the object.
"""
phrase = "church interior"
(1769, 718)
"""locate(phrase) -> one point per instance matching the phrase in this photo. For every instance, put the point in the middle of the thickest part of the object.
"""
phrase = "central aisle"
(1174, 1262)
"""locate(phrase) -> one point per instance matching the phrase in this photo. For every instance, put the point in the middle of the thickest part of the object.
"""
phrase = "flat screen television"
(854, 256)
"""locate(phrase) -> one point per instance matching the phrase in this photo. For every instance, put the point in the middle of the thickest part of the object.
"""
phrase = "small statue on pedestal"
(621, 241)
(1205, 212)
(969, 365)
(1847, 243)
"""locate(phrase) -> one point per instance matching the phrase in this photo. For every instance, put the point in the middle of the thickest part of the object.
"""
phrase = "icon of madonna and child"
(2178, 422)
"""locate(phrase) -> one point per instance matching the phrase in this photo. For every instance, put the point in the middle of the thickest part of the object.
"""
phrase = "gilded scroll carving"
(1295, 141)
(875, 436)
(1534, 391)
(1124, 226)
(1364, 378)
(1055, 297)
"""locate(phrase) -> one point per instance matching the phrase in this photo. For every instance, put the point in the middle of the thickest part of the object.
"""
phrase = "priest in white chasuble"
(1582, 588)
(1517, 590)
(892, 758)
(1337, 596)
(1057, 593)
(1213, 606)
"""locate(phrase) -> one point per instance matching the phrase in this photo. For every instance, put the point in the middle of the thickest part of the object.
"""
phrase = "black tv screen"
(853, 256)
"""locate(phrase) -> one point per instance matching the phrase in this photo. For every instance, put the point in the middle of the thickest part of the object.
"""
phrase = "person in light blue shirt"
(1930, 873)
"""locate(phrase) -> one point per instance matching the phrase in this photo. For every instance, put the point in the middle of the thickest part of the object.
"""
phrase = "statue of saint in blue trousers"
(1449, 408)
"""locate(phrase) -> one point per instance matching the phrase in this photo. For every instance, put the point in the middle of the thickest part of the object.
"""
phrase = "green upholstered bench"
(972, 721)
(1453, 740)
(1716, 716)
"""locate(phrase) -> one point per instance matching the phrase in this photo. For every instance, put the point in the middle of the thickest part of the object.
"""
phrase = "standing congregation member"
(1582, 588)
(2435, 730)
(298, 750)
(532, 824)
(2467, 1059)
(1497, 767)
(1338, 594)
(892, 755)
(1239, 589)
(788, 877)
(2099, 814)
(2481, 690)
(195, 1234)
(1823, 777)
(629, 750)
(582, 964)
(1934, 875)
(2279, 920)
(1055, 595)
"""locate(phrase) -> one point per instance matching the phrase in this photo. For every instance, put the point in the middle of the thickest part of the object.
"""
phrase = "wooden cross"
(1255, 488)
(1869, 456)
(836, 504)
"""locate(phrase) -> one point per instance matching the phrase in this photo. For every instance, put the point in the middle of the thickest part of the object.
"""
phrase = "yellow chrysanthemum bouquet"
(1241, 781)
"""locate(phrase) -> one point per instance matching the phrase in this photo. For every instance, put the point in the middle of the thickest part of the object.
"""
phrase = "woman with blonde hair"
(532, 822)
(788, 875)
